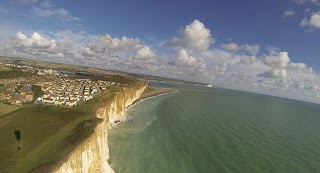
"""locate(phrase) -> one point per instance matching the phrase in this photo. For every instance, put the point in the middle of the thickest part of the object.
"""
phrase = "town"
(71, 92)
(54, 88)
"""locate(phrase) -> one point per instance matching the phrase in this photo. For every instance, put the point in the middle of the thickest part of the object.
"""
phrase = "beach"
(153, 92)
(150, 92)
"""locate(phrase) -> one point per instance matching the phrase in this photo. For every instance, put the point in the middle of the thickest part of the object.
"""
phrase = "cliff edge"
(92, 155)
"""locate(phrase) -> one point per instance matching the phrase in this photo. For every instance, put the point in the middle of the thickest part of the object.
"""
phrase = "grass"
(48, 133)
(6, 108)
(13, 73)
(2, 89)
(4, 69)
(149, 90)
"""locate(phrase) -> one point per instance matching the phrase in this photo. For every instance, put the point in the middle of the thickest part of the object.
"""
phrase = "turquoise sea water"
(220, 131)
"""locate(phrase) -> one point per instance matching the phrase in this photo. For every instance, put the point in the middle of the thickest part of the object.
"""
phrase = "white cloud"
(124, 44)
(313, 22)
(96, 44)
(220, 69)
(275, 73)
(59, 13)
(185, 60)
(271, 74)
(307, 10)
(305, 1)
(231, 47)
(289, 12)
(273, 50)
(145, 52)
(279, 61)
(248, 61)
(297, 65)
(21, 36)
(36, 41)
(47, 9)
(252, 49)
(26, 1)
(194, 36)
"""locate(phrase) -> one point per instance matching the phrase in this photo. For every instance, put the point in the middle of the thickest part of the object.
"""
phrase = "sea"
(207, 130)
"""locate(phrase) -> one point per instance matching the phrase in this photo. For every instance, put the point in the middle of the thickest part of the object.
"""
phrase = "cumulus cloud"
(183, 59)
(36, 45)
(124, 44)
(231, 47)
(36, 41)
(21, 36)
(313, 22)
(272, 73)
(273, 50)
(97, 45)
(248, 61)
(251, 49)
(289, 12)
(220, 69)
(275, 73)
(145, 52)
(194, 36)
(279, 61)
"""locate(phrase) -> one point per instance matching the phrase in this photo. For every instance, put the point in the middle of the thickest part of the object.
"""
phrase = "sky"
(269, 47)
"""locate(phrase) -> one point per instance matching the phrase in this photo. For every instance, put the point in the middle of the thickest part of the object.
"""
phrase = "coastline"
(156, 92)
(153, 94)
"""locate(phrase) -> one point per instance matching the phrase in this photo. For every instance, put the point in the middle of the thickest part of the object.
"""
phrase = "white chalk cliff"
(93, 154)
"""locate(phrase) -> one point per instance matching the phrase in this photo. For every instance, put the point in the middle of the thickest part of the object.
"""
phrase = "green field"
(6, 108)
(48, 133)
(13, 73)
(4, 69)
(2, 89)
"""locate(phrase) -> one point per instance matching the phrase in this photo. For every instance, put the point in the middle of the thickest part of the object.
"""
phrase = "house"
(87, 97)
(29, 97)
(48, 100)
(46, 95)
(40, 99)
(73, 97)
(15, 101)
(71, 103)
(59, 102)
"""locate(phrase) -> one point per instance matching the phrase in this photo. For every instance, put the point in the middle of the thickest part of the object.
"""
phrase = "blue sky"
(252, 22)
(272, 45)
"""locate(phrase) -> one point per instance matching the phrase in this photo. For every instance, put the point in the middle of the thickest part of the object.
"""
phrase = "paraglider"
(137, 67)
(107, 38)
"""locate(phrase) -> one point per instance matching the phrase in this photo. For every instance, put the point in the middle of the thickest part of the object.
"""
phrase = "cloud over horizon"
(232, 65)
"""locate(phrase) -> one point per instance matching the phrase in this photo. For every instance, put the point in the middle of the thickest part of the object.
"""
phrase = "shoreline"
(159, 92)
(151, 95)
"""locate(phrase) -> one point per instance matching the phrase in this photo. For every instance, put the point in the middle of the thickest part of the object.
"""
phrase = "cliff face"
(93, 154)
